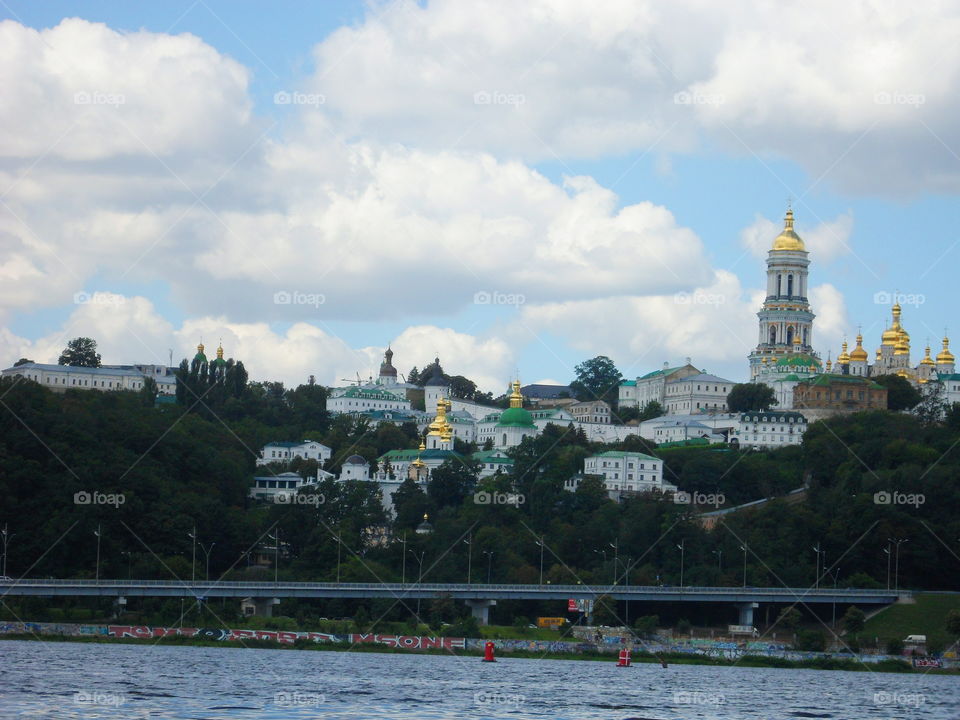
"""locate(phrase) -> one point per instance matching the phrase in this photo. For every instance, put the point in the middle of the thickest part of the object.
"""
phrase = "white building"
(287, 451)
(354, 468)
(287, 484)
(652, 386)
(696, 393)
(678, 431)
(722, 424)
(61, 378)
(628, 471)
(361, 398)
(491, 462)
(590, 411)
(766, 429)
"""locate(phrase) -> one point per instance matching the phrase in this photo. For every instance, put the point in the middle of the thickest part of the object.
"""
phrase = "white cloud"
(860, 93)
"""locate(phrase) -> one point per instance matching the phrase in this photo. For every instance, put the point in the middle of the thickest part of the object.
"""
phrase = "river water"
(73, 680)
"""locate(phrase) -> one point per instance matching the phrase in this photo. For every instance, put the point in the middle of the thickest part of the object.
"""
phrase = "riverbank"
(470, 648)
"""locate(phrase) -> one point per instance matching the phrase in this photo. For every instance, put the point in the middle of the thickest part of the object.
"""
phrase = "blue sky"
(893, 177)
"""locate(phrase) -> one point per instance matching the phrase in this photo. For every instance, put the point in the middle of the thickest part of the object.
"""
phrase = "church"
(784, 357)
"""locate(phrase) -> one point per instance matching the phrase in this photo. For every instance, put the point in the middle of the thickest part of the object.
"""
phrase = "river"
(75, 680)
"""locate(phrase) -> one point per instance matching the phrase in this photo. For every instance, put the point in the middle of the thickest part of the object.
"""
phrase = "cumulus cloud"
(864, 100)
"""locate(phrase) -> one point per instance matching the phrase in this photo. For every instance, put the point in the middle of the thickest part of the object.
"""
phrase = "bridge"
(480, 597)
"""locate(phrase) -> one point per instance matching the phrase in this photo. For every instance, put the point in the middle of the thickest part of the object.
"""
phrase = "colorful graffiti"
(406, 642)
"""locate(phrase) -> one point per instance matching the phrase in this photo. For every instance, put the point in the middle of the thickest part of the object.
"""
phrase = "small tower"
(945, 359)
(436, 387)
(927, 369)
(388, 373)
(859, 360)
(439, 433)
(843, 360)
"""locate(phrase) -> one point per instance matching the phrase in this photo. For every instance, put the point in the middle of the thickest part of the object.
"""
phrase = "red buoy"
(624, 659)
(488, 652)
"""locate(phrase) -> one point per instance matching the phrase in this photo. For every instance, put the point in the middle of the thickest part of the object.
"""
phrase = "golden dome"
(903, 345)
(927, 360)
(945, 357)
(859, 354)
(893, 333)
(788, 239)
(844, 357)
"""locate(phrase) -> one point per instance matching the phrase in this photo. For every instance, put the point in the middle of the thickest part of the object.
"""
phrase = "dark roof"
(437, 378)
(545, 392)
(354, 460)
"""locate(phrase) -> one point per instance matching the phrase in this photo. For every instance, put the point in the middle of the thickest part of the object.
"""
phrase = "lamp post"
(207, 551)
(836, 573)
(193, 563)
(719, 554)
(896, 562)
(744, 548)
(469, 543)
(489, 554)
(616, 556)
(419, 559)
(97, 533)
(129, 555)
(818, 551)
(403, 581)
(276, 555)
(339, 544)
(540, 543)
(6, 538)
(682, 545)
(887, 552)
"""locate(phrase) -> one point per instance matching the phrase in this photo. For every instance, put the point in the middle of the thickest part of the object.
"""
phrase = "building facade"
(287, 451)
(767, 429)
(61, 378)
(841, 393)
(652, 386)
(628, 471)
(590, 411)
(696, 394)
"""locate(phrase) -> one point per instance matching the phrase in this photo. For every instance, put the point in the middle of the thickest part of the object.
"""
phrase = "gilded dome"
(927, 360)
(788, 238)
(844, 357)
(859, 354)
(945, 357)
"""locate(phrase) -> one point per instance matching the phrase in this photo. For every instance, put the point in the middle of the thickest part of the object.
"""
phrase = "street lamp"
(207, 551)
(276, 555)
(129, 555)
(419, 559)
(681, 546)
(886, 550)
(818, 551)
(403, 581)
(836, 573)
(896, 562)
(540, 543)
(616, 555)
(489, 554)
(339, 544)
(468, 542)
(97, 533)
(193, 563)
(744, 548)
(719, 554)
(6, 538)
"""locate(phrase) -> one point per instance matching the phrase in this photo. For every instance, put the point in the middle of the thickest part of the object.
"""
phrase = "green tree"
(605, 611)
(80, 352)
(953, 417)
(933, 406)
(811, 641)
(22, 361)
(901, 395)
(789, 618)
(747, 397)
(651, 410)
(597, 379)
(450, 483)
(646, 625)
(953, 623)
(853, 620)
(148, 393)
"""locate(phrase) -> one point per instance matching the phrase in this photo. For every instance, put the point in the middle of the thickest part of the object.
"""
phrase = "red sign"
(572, 606)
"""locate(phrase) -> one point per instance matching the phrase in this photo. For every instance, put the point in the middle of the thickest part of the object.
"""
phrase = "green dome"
(515, 417)
(798, 361)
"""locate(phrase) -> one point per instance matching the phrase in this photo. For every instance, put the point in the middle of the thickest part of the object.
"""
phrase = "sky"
(515, 187)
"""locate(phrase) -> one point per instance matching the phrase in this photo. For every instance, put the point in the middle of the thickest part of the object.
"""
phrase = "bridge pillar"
(746, 612)
(480, 609)
(258, 607)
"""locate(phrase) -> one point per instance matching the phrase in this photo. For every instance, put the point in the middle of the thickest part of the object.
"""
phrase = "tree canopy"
(80, 352)
(597, 379)
(747, 397)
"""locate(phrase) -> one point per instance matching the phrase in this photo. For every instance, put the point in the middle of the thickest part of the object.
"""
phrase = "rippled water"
(71, 680)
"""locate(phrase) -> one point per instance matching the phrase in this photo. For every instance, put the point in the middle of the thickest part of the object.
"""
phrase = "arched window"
(504, 439)
(773, 336)
(779, 284)
(789, 336)
(789, 285)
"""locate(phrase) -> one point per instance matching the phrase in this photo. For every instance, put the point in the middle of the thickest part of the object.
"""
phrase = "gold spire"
(945, 357)
(892, 334)
(788, 238)
(844, 357)
(859, 354)
(927, 360)
(516, 399)
(220, 350)
(423, 445)
(200, 347)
